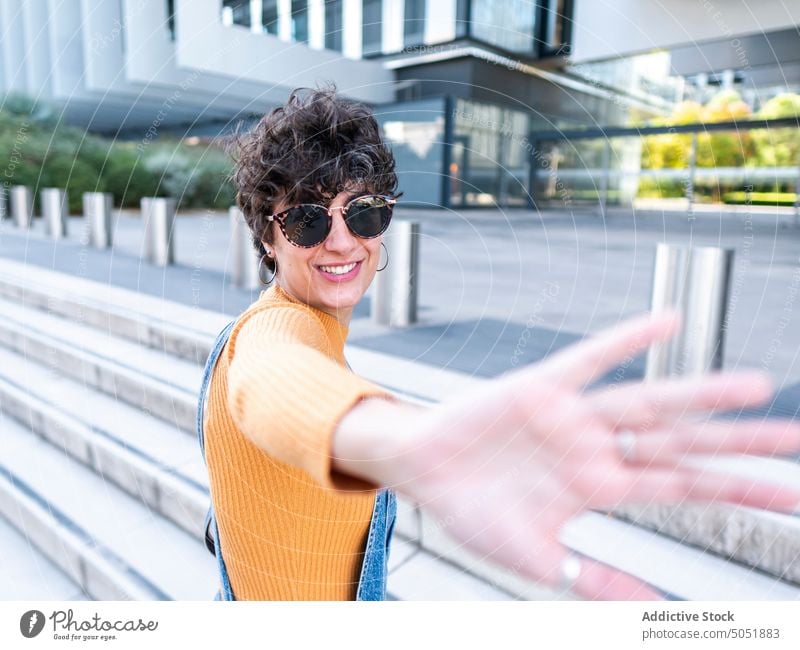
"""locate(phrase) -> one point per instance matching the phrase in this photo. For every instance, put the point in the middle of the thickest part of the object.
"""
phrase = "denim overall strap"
(374, 569)
(211, 362)
(211, 532)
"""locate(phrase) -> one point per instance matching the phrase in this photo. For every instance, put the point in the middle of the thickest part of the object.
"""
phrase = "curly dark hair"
(308, 151)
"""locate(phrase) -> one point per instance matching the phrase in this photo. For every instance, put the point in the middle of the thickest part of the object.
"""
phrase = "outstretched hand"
(504, 465)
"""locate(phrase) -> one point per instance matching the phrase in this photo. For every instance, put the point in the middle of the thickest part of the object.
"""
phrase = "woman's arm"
(503, 466)
(365, 441)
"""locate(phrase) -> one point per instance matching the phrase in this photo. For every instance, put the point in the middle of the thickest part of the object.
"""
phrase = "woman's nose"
(340, 234)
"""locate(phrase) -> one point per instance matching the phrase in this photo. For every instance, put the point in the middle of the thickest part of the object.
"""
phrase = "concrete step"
(677, 568)
(418, 574)
(730, 557)
(150, 459)
(26, 574)
(153, 381)
(162, 325)
(109, 543)
(188, 332)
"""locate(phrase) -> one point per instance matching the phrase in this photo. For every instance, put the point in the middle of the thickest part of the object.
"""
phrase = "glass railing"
(751, 162)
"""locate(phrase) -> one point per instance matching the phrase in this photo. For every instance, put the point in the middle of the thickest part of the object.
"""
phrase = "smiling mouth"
(343, 271)
(339, 267)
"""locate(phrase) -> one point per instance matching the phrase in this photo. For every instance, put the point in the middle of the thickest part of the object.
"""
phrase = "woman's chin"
(341, 299)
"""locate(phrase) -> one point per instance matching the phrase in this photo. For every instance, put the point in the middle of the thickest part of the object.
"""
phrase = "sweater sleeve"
(287, 395)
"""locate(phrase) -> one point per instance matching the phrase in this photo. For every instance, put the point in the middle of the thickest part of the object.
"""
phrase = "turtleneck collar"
(336, 331)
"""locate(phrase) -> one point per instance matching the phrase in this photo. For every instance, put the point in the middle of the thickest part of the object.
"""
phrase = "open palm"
(502, 466)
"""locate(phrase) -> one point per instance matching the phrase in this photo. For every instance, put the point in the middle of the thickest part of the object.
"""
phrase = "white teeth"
(339, 270)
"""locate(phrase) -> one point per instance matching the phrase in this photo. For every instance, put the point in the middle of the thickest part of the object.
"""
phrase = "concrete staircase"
(103, 490)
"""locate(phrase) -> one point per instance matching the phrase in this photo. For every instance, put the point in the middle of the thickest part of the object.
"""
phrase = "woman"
(302, 452)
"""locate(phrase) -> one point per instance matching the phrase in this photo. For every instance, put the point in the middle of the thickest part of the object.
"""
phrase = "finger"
(683, 484)
(527, 543)
(760, 437)
(570, 572)
(588, 360)
(645, 405)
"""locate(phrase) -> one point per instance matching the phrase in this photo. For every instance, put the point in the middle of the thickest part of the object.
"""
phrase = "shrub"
(786, 199)
(43, 153)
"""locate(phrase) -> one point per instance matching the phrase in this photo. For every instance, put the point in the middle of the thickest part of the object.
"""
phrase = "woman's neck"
(343, 315)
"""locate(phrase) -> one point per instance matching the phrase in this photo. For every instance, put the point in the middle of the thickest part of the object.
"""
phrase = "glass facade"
(739, 166)
(236, 12)
(333, 24)
(300, 21)
(536, 28)
(414, 23)
(415, 133)
(555, 32)
(490, 156)
(372, 28)
(269, 16)
(508, 24)
(171, 19)
(462, 18)
(581, 171)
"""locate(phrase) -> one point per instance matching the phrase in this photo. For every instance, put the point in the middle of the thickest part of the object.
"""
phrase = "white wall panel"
(608, 28)
(440, 21)
(352, 29)
(38, 65)
(13, 47)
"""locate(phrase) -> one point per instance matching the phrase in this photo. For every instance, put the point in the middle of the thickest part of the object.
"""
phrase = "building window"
(414, 23)
(333, 25)
(490, 162)
(300, 21)
(507, 24)
(415, 133)
(269, 16)
(555, 27)
(372, 29)
(236, 12)
(462, 18)
(171, 19)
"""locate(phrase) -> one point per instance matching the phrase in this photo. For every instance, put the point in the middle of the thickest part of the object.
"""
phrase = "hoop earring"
(260, 263)
(387, 257)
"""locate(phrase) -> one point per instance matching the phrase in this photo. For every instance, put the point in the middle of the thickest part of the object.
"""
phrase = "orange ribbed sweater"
(290, 527)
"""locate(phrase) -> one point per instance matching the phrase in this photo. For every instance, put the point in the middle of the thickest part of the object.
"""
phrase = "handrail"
(695, 127)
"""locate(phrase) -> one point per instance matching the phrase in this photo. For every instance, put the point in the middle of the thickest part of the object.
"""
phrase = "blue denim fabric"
(374, 569)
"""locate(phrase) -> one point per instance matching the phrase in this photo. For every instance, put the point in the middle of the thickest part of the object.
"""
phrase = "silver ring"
(626, 443)
(568, 572)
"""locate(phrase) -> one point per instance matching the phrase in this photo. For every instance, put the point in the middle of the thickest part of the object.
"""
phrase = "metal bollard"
(245, 257)
(394, 300)
(55, 211)
(696, 282)
(158, 215)
(97, 208)
(145, 204)
(22, 205)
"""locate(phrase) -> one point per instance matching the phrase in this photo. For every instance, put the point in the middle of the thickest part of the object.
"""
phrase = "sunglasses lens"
(369, 216)
(306, 225)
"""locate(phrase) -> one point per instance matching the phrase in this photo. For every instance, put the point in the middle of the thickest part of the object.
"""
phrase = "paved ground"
(487, 275)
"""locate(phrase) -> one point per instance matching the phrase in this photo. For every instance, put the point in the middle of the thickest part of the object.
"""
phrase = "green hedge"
(40, 152)
(761, 198)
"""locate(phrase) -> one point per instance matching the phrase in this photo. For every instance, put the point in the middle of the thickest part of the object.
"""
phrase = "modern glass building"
(461, 87)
